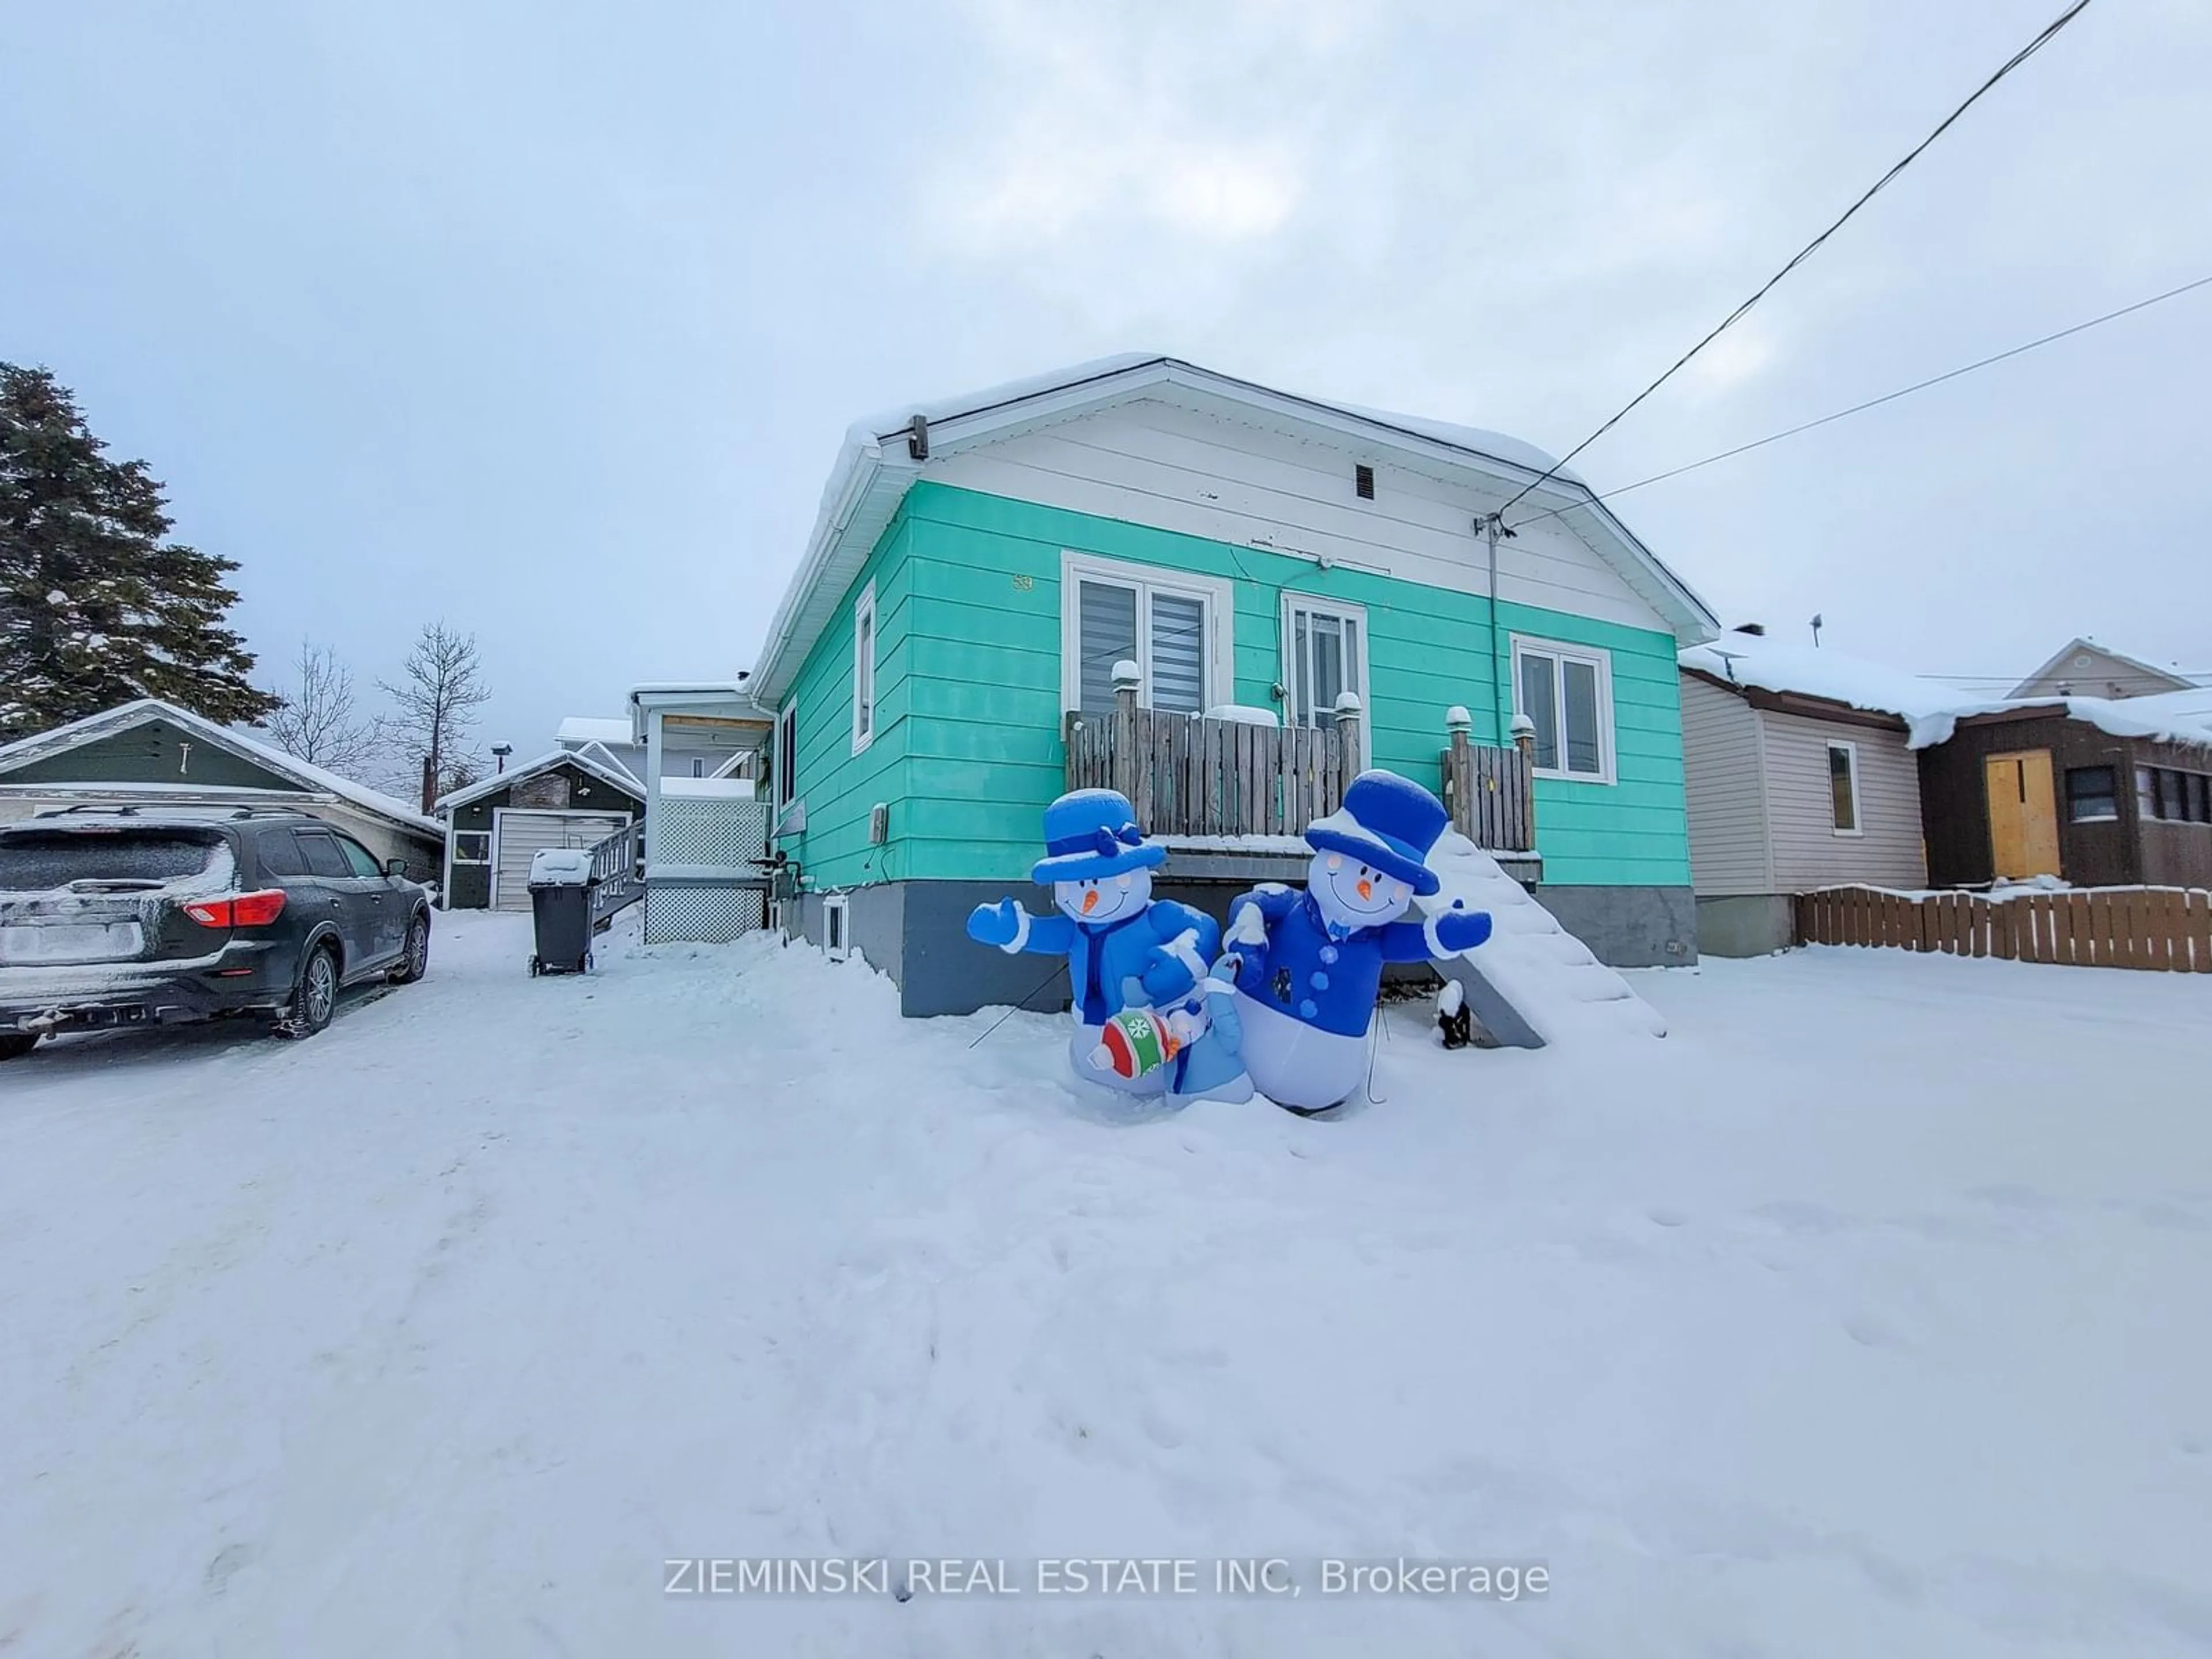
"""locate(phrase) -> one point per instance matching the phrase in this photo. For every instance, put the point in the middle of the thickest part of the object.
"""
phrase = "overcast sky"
(547, 318)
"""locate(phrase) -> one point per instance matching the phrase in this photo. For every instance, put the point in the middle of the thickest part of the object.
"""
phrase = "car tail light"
(239, 910)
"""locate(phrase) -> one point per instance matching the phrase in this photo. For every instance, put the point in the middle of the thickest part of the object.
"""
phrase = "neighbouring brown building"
(2042, 790)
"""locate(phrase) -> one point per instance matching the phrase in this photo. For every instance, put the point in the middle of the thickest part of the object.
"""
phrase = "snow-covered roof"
(306, 774)
(2074, 647)
(2162, 717)
(1766, 664)
(612, 775)
(605, 757)
(1930, 709)
(739, 687)
(580, 729)
(874, 470)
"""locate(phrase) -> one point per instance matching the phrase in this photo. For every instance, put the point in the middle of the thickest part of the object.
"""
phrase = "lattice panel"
(725, 833)
(703, 916)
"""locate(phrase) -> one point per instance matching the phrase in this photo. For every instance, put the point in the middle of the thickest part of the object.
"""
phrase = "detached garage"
(492, 828)
(148, 754)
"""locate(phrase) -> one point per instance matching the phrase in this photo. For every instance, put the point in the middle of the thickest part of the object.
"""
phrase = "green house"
(1290, 589)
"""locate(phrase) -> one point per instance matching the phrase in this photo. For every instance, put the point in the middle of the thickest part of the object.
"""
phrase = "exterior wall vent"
(1363, 482)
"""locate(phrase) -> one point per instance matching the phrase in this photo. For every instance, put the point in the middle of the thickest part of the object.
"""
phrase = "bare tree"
(439, 688)
(320, 721)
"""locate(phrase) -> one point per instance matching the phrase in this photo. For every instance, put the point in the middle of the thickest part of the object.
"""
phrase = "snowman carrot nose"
(1366, 889)
(1090, 901)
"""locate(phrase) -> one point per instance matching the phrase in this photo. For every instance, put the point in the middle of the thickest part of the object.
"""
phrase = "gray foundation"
(1745, 925)
(1629, 926)
(916, 932)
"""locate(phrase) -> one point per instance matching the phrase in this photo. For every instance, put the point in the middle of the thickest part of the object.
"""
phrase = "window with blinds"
(1166, 629)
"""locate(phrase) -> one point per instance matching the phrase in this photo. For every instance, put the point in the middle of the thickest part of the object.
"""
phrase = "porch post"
(652, 776)
(1524, 740)
(1347, 732)
(1459, 769)
(1126, 679)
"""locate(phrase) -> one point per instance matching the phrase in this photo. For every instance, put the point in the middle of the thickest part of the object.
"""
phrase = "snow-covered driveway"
(1867, 1314)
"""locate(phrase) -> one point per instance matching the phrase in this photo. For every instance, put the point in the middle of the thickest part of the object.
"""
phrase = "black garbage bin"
(561, 908)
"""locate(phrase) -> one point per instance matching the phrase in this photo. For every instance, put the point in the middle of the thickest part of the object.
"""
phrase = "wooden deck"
(1189, 776)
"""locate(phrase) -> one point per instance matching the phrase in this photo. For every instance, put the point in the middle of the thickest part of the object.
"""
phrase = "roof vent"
(1363, 482)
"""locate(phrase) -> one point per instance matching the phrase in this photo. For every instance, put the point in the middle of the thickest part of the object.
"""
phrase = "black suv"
(129, 916)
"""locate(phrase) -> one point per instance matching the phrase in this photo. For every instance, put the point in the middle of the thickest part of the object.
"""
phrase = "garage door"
(520, 834)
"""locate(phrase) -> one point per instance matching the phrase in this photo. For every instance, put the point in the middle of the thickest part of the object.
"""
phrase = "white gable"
(1160, 464)
(2086, 669)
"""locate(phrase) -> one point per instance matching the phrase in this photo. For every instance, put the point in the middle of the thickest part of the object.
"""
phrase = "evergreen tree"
(96, 607)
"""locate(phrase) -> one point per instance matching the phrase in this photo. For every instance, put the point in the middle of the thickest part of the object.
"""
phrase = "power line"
(1872, 403)
(1806, 253)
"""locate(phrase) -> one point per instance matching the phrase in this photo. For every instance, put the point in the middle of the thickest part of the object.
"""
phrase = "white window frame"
(1858, 801)
(864, 669)
(471, 864)
(1314, 605)
(787, 754)
(840, 930)
(1217, 595)
(1561, 652)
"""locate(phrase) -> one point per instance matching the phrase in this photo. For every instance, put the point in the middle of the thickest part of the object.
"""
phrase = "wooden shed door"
(2023, 814)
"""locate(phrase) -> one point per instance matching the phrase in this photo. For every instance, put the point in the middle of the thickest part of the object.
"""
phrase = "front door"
(2023, 814)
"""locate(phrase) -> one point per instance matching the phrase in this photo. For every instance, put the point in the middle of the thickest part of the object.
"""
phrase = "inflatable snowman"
(1312, 962)
(1124, 947)
(1195, 1046)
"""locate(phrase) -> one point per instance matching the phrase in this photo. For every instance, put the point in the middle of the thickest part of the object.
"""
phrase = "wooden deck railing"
(1491, 793)
(618, 877)
(2167, 928)
(1189, 776)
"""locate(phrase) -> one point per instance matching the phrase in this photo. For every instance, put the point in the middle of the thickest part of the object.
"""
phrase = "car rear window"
(37, 861)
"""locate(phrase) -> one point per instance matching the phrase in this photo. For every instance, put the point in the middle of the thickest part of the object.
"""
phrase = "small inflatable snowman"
(1312, 962)
(1124, 947)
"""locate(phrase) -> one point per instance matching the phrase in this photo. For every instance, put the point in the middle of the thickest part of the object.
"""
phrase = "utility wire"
(1806, 253)
(1871, 403)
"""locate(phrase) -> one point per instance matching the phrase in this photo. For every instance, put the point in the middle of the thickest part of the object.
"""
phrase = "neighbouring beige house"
(1798, 776)
(2083, 668)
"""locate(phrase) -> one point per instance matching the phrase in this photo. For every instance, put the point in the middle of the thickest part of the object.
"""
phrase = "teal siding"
(839, 787)
(971, 751)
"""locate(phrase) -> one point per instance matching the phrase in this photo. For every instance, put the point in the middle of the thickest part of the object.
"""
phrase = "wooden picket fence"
(2147, 928)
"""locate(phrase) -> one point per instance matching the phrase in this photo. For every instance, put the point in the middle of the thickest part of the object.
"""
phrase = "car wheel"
(415, 959)
(14, 1045)
(315, 998)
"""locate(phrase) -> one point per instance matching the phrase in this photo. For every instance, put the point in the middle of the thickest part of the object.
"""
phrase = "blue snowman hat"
(1092, 833)
(1387, 821)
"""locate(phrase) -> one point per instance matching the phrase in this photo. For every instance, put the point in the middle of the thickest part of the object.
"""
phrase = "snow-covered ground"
(1865, 1314)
